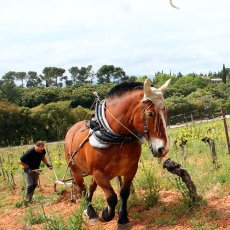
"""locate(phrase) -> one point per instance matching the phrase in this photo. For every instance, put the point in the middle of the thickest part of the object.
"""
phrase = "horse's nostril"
(160, 151)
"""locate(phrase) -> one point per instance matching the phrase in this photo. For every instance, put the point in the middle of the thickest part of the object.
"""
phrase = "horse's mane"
(123, 87)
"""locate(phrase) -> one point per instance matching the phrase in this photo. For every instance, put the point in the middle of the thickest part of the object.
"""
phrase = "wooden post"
(11, 173)
(225, 128)
(3, 172)
(192, 119)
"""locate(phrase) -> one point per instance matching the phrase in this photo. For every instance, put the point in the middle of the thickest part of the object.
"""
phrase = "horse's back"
(72, 133)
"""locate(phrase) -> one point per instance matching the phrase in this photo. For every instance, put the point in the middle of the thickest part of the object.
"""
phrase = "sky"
(140, 36)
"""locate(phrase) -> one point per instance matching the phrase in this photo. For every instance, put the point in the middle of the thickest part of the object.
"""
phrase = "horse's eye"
(150, 114)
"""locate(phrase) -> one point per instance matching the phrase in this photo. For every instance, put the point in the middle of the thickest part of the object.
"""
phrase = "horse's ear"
(147, 89)
(164, 87)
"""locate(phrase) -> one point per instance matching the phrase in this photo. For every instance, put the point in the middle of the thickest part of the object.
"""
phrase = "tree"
(9, 76)
(8, 88)
(36, 96)
(107, 72)
(228, 75)
(119, 75)
(82, 75)
(203, 101)
(132, 78)
(33, 79)
(59, 117)
(160, 78)
(141, 78)
(51, 75)
(74, 72)
(224, 74)
(104, 74)
(21, 76)
(179, 74)
(9, 117)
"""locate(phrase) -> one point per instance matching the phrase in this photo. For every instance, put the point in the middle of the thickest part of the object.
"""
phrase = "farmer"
(31, 161)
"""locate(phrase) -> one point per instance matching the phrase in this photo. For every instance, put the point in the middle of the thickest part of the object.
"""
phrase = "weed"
(98, 202)
(55, 223)
(137, 215)
(213, 214)
(199, 224)
(162, 209)
(75, 222)
(164, 221)
(19, 204)
(31, 217)
(150, 184)
(151, 199)
(135, 201)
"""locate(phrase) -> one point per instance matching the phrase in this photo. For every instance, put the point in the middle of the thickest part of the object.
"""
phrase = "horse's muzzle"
(159, 152)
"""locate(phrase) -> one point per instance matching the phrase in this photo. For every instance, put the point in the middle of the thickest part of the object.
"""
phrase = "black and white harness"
(101, 129)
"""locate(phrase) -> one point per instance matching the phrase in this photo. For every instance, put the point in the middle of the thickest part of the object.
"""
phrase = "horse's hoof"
(91, 212)
(123, 216)
(107, 216)
(123, 220)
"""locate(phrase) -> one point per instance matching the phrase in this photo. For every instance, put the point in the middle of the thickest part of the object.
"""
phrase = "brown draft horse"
(133, 109)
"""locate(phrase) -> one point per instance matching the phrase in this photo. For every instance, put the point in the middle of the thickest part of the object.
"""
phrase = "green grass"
(74, 222)
(150, 179)
(33, 216)
(163, 221)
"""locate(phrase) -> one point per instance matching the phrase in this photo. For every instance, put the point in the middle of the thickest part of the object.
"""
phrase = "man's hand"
(27, 170)
(49, 166)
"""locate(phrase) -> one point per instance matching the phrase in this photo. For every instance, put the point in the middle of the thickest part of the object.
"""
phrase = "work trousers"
(31, 183)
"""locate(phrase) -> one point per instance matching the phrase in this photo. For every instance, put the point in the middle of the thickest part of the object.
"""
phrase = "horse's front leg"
(124, 194)
(90, 209)
(111, 197)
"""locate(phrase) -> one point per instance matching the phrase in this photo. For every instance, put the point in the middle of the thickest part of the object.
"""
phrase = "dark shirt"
(33, 158)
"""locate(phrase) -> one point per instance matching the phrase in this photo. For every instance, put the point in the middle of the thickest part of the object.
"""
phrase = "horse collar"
(101, 129)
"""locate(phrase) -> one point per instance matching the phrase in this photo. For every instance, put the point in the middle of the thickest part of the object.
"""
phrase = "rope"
(123, 125)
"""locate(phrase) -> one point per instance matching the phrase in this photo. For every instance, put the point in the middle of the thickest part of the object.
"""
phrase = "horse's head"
(154, 115)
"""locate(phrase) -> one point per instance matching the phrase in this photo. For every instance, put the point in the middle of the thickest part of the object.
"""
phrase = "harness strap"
(75, 152)
(146, 129)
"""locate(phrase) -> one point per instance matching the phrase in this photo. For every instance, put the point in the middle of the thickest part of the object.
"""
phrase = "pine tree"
(224, 74)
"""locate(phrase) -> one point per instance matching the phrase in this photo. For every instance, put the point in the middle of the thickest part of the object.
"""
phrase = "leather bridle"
(146, 130)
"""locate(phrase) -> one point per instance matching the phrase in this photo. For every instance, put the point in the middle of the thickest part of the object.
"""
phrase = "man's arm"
(44, 159)
(26, 167)
(23, 164)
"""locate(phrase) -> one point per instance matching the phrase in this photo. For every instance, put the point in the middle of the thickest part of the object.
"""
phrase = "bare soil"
(214, 215)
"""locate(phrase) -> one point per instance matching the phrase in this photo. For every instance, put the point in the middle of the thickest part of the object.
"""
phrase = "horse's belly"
(115, 161)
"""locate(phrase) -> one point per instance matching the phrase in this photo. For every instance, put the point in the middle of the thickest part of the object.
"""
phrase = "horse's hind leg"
(78, 178)
(111, 197)
(90, 209)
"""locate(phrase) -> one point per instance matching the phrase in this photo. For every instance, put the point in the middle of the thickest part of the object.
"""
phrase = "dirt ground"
(214, 215)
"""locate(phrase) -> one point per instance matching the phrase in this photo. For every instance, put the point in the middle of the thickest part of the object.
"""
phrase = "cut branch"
(175, 168)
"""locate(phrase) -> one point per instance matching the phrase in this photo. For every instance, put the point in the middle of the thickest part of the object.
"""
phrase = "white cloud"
(141, 36)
